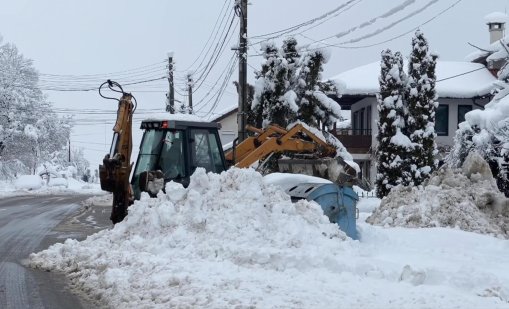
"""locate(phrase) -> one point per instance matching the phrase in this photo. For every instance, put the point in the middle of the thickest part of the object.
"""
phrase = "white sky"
(92, 37)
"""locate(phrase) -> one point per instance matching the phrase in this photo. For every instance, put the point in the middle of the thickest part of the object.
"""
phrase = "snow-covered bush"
(28, 182)
(465, 198)
(486, 131)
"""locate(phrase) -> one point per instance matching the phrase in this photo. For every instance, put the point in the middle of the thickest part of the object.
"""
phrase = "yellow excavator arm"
(116, 168)
(275, 139)
(298, 140)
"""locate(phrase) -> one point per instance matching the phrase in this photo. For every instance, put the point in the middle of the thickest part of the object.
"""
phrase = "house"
(228, 120)
(461, 87)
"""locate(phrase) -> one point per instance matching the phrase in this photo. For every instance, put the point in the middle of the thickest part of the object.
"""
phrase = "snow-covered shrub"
(486, 131)
(465, 198)
(28, 182)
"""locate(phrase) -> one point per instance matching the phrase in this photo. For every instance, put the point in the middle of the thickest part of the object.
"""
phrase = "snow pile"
(466, 198)
(205, 246)
(28, 182)
(34, 184)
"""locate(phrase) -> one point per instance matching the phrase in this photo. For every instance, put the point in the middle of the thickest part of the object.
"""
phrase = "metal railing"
(362, 132)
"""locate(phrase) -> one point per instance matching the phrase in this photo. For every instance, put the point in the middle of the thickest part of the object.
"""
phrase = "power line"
(384, 41)
(89, 89)
(212, 32)
(276, 34)
(219, 32)
(212, 62)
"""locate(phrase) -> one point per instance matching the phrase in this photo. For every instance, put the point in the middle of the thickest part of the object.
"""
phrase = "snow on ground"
(234, 241)
(466, 198)
(35, 185)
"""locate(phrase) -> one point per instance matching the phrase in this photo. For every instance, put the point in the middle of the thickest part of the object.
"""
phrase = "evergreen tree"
(421, 100)
(393, 145)
(315, 106)
(271, 89)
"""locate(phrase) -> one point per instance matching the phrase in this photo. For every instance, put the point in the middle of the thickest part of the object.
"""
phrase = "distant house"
(461, 87)
(228, 120)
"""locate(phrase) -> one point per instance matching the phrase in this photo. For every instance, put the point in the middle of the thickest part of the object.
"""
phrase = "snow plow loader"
(173, 146)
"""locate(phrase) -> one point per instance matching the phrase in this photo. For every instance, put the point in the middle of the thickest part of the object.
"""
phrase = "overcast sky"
(96, 37)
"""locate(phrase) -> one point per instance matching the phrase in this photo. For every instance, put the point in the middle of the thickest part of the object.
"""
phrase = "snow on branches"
(406, 106)
(421, 100)
(289, 87)
(393, 145)
(30, 131)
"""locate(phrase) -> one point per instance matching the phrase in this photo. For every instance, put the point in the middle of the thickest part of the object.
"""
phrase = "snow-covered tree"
(486, 132)
(273, 95)
(29, 130)
(421, 98)
(315, 106)
(394, 146)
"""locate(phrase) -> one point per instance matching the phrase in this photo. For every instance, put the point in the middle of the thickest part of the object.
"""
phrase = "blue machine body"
(339, 203)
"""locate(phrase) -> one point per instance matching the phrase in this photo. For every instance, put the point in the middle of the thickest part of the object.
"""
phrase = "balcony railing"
(355, 140)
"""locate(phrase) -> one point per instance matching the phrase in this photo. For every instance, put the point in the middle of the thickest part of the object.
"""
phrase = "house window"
(462, 110)
(442, 120)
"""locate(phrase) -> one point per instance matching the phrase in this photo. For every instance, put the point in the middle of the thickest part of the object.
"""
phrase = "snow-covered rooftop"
(497, 50)
(454, 79)
(495, 17)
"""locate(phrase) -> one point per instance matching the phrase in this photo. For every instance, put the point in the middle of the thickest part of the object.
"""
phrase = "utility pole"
(241, 11)
(170, 103)
(69, 150)
(190, 91)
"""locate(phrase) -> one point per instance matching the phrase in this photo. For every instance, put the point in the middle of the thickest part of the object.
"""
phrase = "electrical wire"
(384, 41)
(279, 33)
(211, 33)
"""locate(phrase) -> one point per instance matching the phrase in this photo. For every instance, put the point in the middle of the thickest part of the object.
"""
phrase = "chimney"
(496, 25)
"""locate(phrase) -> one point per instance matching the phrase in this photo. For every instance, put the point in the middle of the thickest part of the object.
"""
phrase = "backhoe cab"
(171, 150)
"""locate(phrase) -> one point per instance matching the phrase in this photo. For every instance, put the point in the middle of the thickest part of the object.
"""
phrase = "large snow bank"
(232, 241)
(466, 198)
(28, 182)
(191, 245)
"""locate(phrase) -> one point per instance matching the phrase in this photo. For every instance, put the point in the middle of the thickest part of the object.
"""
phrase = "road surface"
(30, 224)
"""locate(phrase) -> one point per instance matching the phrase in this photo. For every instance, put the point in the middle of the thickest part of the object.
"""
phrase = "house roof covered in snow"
(497, 50)
(454, 80)
(224, 113)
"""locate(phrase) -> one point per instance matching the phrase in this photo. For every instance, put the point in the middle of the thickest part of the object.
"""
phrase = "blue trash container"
(339, 203)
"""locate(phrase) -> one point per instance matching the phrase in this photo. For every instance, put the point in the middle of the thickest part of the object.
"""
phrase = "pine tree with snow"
(421, 98)
(292, 56)
(393, 145)
(316, 108)
(272, 94)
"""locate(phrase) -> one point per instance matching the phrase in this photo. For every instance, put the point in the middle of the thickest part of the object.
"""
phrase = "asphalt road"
(31, 224)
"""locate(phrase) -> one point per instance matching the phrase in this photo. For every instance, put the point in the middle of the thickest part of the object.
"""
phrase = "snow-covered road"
(25, 221)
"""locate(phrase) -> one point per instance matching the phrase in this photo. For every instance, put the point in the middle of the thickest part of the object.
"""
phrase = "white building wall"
(229, 128)
(445, 142)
